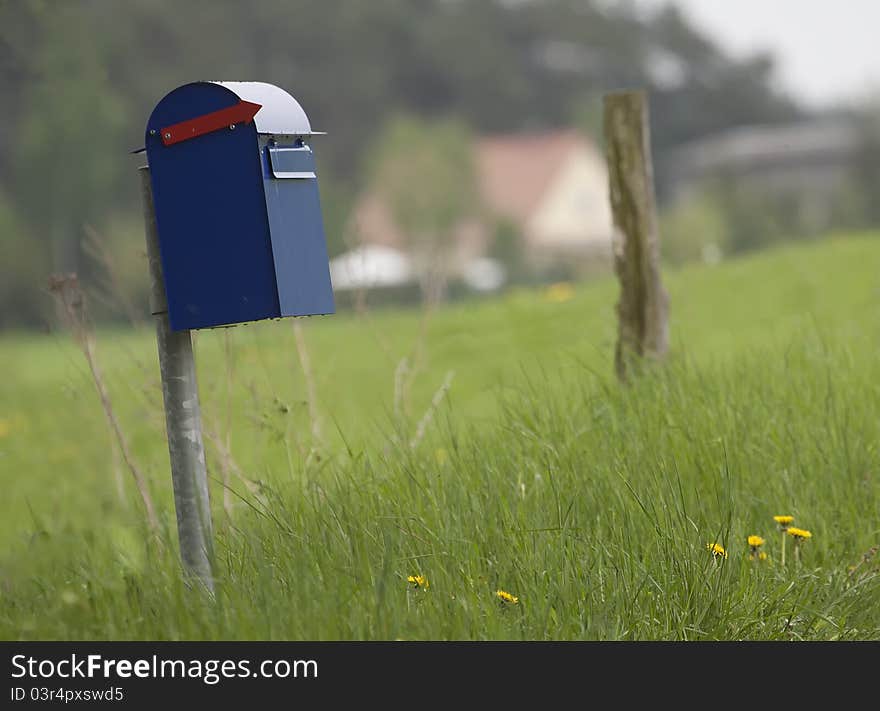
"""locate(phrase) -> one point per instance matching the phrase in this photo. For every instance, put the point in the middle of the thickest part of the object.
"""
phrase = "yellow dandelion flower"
(559, 293)
(799, 534)
(784, 522)
(756, 541)
(762, 556)
(717, 550)
(418, 581)
(506, 597)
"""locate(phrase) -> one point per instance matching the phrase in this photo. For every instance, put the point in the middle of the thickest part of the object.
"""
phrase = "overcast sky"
(827, 51)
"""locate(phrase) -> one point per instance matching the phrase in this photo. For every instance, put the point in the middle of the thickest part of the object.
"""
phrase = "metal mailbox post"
(234, 234)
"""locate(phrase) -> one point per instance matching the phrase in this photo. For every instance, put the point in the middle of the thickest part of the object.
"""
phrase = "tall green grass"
(539, 475)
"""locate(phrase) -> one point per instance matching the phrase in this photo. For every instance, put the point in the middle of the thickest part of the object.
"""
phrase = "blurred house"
(809, 161)
(553, 187)
(550, 188)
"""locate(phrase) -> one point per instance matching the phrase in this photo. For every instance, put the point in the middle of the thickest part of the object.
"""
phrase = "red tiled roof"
(514, 171)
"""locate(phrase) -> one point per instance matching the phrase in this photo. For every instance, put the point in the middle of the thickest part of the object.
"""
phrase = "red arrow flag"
(242, 112)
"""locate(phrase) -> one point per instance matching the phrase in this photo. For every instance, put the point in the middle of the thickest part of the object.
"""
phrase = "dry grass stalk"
(116, 294)
(311, 391)
(429, 413)
(400, 384)
(71, 301)
(225, 453)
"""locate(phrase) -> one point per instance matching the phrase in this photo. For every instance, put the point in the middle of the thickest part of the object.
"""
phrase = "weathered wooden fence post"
(183, 422)
(643, 308)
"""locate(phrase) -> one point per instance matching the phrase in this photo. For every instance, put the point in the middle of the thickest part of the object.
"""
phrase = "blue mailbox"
(237, 207)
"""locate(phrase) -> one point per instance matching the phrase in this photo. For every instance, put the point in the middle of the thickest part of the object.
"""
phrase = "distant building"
(551, 187)
(812, 158)
(798, 177)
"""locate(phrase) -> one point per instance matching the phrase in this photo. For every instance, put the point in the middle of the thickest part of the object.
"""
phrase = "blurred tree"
(756, 217)
(507, 248)
(699, 90)
(694, 230)
(336, 200)
(423, 171)
(23, 280)
(63, 173)
(19, 28)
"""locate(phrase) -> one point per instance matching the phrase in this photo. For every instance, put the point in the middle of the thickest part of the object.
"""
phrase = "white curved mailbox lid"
(281, 113)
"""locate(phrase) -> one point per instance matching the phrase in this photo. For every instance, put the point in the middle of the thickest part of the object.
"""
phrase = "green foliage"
(423, 170)
(507, 248)
(538, 475)
(336, 201)
(114, 254)
(64, 172)
(694, 230)
(757, 218)
(732, 216)
(24, 303)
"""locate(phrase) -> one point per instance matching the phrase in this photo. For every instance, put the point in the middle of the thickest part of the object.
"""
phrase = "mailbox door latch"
(292, 162)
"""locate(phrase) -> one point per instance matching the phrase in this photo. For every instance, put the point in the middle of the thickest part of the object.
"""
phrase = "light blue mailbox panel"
(291, 188)
(237, 206)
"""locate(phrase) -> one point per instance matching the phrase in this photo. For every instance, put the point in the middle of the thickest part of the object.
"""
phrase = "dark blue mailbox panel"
(237, 206)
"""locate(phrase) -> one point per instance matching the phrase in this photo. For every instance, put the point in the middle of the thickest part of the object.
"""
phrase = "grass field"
(537, 474)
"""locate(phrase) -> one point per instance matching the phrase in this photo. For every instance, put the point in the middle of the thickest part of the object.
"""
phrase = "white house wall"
(575, 213)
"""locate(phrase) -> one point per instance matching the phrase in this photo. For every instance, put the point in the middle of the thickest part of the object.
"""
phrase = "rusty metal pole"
(183, 422)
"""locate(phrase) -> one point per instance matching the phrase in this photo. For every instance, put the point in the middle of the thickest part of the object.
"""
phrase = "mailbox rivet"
(152, 131)
(167, 135)
(231, 126)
